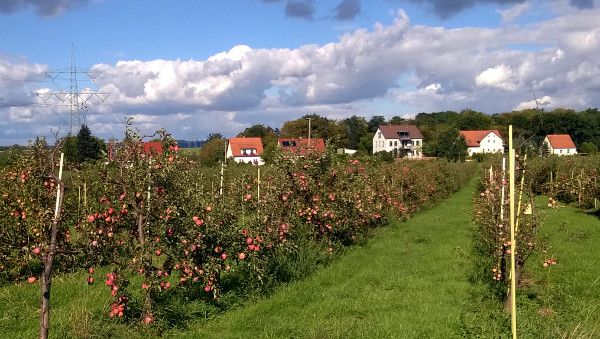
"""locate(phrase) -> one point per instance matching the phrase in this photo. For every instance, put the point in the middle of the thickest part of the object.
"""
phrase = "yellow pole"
(522, 185)
(513, 278)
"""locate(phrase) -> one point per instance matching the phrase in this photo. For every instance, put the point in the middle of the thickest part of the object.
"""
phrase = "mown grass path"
(409, 281)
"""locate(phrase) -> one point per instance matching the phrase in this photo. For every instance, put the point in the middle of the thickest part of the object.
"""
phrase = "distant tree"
(452, 145)
(265, 133)
(397, 120)
(270, 150)
(212, 151)
(88, 147)
(321, 127)
(355, 128)
(589, 148)
(375, 122)
(70, 149)
(473, 120)
(545, 150)
(366, 144)
(213, 136)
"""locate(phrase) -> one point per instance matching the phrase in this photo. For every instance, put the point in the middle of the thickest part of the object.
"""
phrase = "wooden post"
(221, 185)
(522, 186)
(48, 259)
(513, 277)
(258, 187)
(85, 196)
(78, 201)
(503, 189)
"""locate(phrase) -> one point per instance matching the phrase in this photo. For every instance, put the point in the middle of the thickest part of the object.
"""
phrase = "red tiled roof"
(391, 131)
(560, 141)
(238, 144)
(300, 145)
(473, 138)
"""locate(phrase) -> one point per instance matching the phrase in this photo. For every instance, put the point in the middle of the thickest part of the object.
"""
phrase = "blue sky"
(175, 64)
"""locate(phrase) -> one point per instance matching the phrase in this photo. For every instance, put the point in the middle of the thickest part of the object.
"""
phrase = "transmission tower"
(73, 98)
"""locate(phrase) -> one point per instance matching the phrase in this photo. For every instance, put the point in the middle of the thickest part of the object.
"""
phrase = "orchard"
(164, 227)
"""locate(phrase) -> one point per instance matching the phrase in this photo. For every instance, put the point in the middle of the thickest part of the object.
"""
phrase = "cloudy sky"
(196, 67)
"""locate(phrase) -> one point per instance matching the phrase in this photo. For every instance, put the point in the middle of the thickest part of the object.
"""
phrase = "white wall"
(491, 143)
(560, 151)
(389, 145)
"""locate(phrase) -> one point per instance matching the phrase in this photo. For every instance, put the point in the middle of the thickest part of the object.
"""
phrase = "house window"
(417, 142)
(379, 135)
(390, 143)
(395, 143)
(560, 151)
(289, 143)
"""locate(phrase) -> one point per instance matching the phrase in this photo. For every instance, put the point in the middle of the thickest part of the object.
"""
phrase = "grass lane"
(411, 281)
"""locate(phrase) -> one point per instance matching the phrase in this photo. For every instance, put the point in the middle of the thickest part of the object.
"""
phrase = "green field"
(413, 279)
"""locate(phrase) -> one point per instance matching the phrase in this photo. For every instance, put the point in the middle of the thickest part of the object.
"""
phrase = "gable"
(246, 147)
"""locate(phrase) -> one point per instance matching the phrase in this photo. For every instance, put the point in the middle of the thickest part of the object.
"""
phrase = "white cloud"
(509, 15)
(414, 67)
(499, 76)
(543, 102)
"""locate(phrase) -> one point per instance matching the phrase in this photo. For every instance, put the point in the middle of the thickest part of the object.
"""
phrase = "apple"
(31, 280)
(37, 250)
(148, 319)
(242, 255)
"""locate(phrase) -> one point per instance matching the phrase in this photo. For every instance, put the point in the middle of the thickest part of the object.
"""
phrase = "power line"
(73, 98)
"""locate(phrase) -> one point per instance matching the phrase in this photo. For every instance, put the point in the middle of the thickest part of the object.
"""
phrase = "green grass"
(411, 280)
(562, 301)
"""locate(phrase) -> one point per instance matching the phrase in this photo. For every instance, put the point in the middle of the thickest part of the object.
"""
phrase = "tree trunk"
(508, 301)
(46, 279)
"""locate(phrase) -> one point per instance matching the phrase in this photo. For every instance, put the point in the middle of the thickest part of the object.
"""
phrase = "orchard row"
(163, 223)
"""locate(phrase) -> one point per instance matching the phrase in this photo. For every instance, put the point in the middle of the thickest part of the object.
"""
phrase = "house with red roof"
(300, 146)
(403, 140)
(483, 141)
(246, 150)
(560, 144)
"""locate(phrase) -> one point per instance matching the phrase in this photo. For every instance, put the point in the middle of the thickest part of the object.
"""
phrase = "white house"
(247, 150)
(404, 140)
(486, 141)
(560, 144)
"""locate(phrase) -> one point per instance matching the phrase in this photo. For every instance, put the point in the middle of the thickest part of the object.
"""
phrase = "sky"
(220, 66)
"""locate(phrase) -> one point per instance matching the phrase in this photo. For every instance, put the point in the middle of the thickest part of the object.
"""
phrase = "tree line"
(439, 129)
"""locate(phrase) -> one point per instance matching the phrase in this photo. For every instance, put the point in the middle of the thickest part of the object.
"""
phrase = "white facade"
(412, 147)
(491, 143)
(249, 156)
(559, 151)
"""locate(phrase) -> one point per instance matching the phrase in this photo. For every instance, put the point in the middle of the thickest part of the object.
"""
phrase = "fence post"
(513, 278)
